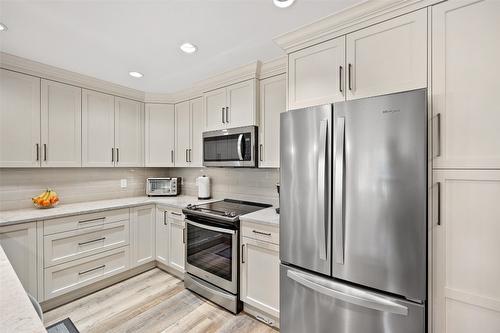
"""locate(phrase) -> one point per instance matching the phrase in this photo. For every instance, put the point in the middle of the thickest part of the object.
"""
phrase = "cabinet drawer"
(70, 276)
(84, 221)
(175, 215)
(75, 244)
(261, 232)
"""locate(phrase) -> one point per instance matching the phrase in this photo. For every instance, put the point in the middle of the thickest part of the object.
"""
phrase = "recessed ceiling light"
(283, 3)
(188, 48)
(135, 74)
(3, 27)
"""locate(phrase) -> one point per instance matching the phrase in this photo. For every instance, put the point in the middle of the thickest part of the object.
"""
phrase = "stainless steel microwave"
(233, 147)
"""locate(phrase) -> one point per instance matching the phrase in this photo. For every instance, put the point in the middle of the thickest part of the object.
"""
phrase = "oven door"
(212, 254)
(235, 147)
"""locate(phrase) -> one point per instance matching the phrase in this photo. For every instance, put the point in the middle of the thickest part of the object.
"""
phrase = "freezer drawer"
(311, 303)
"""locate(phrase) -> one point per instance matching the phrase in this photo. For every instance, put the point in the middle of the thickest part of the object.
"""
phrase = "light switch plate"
(123, 183)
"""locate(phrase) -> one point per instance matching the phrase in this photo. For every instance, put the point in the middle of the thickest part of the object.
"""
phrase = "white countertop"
(263, 216)
(35, 214)
(17, 314)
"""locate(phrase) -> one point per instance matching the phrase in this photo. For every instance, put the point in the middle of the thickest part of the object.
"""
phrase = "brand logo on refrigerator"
(391, 111)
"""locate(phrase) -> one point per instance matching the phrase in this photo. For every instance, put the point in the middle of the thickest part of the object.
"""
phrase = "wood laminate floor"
(153, 301)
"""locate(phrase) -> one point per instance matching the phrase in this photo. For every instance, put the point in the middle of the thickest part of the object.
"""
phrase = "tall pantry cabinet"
(466, 166)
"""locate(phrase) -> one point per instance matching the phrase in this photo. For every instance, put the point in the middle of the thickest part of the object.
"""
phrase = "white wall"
(18, 186)
(244, 184)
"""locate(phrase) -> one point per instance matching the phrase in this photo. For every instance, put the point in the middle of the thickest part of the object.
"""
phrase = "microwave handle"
(240, 148)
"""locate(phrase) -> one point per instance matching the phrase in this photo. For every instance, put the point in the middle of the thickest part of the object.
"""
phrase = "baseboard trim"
(90, 289)
(170, 270)
(259, 315)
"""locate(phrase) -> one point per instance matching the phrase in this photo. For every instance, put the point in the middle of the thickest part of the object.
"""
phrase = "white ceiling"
(107, 39)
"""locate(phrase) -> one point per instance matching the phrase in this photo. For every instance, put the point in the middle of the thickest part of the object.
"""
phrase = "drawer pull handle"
(261, 233)
(91, 220)
(174, 213)
(92, 241)
(91, 270)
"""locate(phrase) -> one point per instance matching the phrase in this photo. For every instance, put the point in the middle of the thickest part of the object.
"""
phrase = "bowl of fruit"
(47, 199)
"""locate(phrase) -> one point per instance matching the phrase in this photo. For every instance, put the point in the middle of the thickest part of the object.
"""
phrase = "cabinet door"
(260, 275)
(182, 133)
(61, 125)
(465, 84)
(142, 237)
(196, 153)
(388, 57)
(177, 246)
(272, 103)
(241, 104)
(214, 102)
(159, 135)
(316, 74)
(162, 236)
(19, 120)
(98, 129)
(466, 270)
(129, 133)
(19, 244)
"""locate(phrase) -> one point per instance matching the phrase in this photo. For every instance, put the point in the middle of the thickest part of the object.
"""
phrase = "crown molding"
(23, 65)
(272, 68)
(350, 19)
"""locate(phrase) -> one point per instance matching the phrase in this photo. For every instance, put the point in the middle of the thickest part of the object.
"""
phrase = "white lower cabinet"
(177, 244)
(259, 268)
(170, 238)
(466, 247)
(72, 275)
(19, 244)
(142, 235)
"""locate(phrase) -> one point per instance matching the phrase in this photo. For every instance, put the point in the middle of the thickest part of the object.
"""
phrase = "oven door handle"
(209, 227)
(240, 141)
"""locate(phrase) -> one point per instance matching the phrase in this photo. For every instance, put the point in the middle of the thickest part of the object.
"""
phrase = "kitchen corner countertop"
(264, 216)
(17, 314)
(35, 214)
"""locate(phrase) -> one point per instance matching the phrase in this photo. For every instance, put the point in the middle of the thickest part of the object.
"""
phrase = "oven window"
(210, 251)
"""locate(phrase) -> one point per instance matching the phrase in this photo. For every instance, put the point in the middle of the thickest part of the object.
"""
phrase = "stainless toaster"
(163, 186)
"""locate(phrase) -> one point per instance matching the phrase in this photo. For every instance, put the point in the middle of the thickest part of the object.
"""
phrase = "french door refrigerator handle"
(240, 142)
(339, 190)
(352, 296)
(323, 135)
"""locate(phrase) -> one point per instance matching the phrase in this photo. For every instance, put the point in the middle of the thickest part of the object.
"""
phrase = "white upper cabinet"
(240, 104)
(215, 109)
(160, 135)
(19, 120)
(232, 106)
(465, 84)
(61, 125)
(182, 134)
(388, 57)
(197, 116)
(98, 129)
(272, 103)
(316, 74)
(129, 133)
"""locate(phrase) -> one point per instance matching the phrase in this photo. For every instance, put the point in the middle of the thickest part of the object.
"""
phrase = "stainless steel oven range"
(212, 250)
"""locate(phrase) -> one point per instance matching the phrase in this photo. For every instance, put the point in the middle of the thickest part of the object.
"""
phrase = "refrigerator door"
(305, 191)
(312, 303)
(380, 182)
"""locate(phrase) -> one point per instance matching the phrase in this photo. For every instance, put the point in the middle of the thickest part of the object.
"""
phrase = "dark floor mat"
(63, 326)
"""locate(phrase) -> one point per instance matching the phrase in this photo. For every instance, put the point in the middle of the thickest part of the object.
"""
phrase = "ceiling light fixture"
(3, 27)
(283, 3)
(136, 74)
(188, 48)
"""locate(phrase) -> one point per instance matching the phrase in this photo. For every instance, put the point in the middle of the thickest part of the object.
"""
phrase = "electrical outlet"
(123, 183)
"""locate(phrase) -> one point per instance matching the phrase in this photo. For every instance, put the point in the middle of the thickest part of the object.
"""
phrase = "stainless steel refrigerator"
(353, 216)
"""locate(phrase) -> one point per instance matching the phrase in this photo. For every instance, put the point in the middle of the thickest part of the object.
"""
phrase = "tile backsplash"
(18, 186)
(244, 184)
